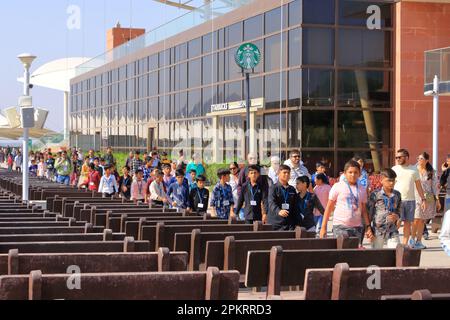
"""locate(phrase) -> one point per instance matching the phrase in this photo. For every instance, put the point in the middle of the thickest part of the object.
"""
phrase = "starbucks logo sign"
(248, 56)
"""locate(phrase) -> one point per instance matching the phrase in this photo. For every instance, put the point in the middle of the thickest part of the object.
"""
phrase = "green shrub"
(211, 171)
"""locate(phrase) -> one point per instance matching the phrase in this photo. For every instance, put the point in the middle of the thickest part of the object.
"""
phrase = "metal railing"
(180, 24)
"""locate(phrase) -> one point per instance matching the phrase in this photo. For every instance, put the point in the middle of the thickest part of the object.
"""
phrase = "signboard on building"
(221, 107)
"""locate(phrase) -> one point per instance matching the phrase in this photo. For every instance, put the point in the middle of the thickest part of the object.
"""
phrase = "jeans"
(64, 180)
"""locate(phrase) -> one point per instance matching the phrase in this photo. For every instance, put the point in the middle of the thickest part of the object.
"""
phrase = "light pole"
(26, 59)
(435, 94)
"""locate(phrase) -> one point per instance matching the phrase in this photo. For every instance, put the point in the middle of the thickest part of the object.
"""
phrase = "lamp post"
(247, 57)
(435, 94)
(26, 59)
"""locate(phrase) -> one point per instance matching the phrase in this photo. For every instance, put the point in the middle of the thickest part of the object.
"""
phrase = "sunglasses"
(295, 156)
(398, 158)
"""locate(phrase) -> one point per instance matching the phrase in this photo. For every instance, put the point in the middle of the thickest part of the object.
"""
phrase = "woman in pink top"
(322, 191)
(348, 201)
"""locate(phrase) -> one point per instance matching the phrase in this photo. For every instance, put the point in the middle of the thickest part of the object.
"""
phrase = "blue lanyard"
(253, 193)
(108, 181)
(355, 198)
(389, 203)
(200, 197)
(285, 194)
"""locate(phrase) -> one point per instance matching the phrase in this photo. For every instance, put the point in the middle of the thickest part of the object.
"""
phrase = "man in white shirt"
(297, 167)
(407, 179)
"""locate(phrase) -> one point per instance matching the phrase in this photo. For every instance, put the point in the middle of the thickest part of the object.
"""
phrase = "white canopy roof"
(56, 74)
(6, 132)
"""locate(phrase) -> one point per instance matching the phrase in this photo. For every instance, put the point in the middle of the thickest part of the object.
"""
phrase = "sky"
(41, 28)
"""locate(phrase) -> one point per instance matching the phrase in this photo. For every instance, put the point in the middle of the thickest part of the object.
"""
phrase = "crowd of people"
(285, 196)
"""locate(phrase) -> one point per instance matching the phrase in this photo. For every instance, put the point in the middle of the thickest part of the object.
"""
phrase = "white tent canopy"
(6, 132)
(56, 74)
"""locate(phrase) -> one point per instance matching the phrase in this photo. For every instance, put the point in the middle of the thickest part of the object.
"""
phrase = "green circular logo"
(248, 56)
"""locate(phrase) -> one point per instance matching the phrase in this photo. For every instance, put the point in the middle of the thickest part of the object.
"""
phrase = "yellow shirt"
(406, 179)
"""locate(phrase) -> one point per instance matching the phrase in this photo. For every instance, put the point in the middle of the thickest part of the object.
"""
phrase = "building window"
(368, 129)
(295, 13)
(195, 73)
(233, 71)
(318, 11)
(275, 54)
(367, 89)
(275, 91)
(195, 103)
(181, 76)
(310, 159)
(153, 62)
(364, 48)
(295, 129)
(233, 34)
(295, 46)
(153, 113)
(276, 20)
(295, 87)
(181, 52)
(153, 88)
(317, 129)
(253, 27)
(195, 48)
(210, 42)
(233, 91)
(274, 134)
(208, 100)
(256, 88)
(318, 87)
(318, 46)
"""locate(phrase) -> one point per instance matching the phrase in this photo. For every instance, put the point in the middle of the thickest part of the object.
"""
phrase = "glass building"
(324, 86)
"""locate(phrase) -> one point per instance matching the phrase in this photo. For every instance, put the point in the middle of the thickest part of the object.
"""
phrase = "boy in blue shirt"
(192, 180)
(320, 168)
(178, 192)
(222, 201)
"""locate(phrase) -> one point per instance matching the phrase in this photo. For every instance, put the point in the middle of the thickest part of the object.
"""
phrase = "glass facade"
(326, 80)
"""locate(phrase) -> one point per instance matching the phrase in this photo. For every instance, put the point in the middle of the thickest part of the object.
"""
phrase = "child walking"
(348, 200)
(384, 211)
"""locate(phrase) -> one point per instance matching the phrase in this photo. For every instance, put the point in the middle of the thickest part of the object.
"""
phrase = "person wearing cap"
(108, 183)
(64, 168)
(199, 197)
